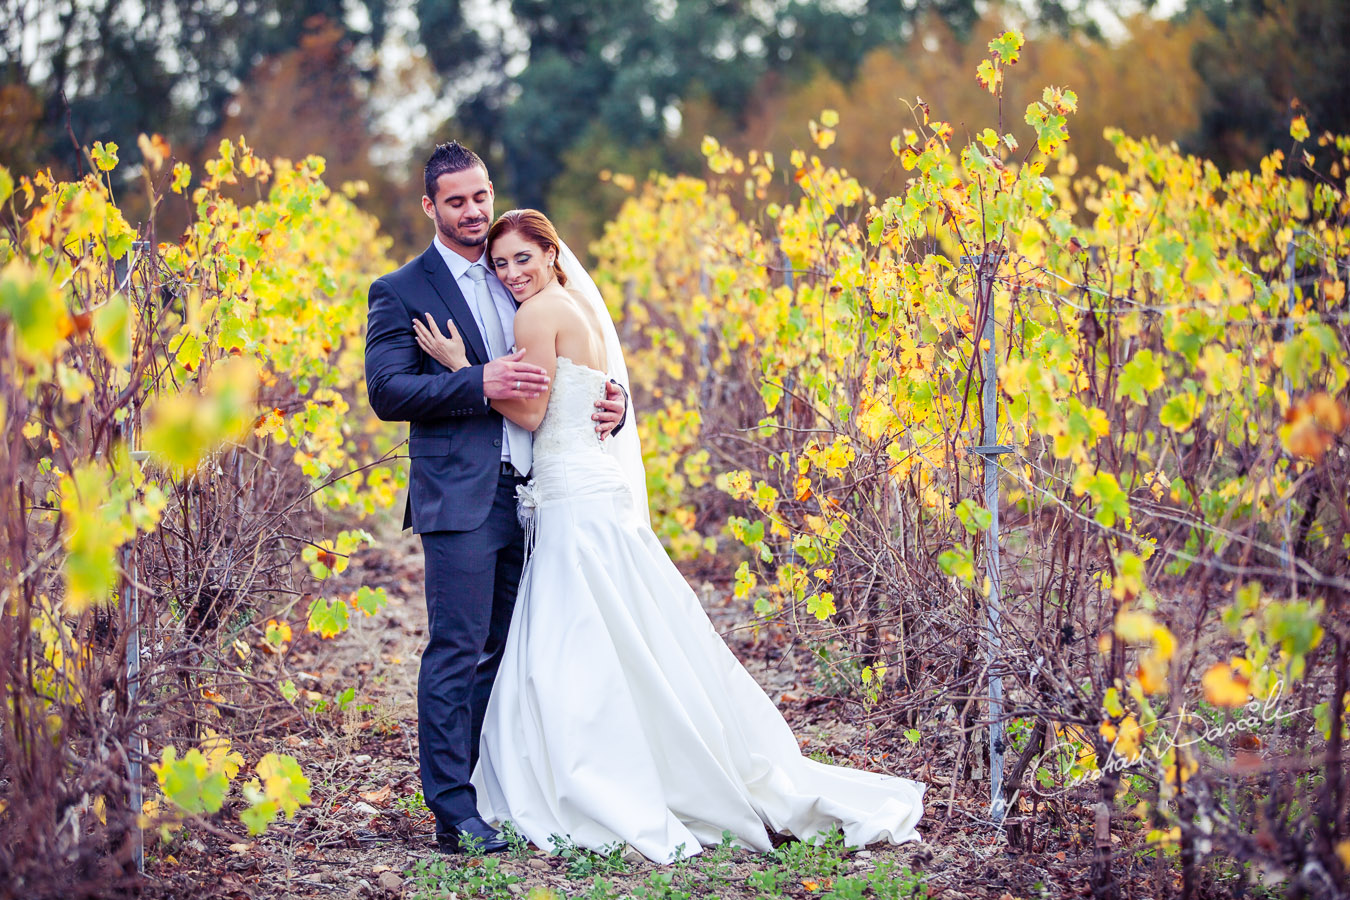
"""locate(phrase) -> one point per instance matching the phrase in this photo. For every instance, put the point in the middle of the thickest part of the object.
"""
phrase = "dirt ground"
(367, 829)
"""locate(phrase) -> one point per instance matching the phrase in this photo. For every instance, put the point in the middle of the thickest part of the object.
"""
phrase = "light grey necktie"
(492, 321)
(518, 440)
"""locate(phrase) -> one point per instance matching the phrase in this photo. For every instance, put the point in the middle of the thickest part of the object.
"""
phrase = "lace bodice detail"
(567, 426)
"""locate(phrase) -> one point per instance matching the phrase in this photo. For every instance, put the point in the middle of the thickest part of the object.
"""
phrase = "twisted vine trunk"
(1103, 879)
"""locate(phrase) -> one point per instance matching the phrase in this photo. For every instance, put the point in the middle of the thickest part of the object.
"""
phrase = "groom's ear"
(428, 207)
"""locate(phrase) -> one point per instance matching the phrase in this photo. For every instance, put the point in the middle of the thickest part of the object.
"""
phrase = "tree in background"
(1142, 82)
(308, 100)
(1260, 56)
(21, 146)
(559, 94)
(111, 70)
(625, 66)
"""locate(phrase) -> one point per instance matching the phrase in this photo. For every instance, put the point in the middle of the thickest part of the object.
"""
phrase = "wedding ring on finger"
(517, 385)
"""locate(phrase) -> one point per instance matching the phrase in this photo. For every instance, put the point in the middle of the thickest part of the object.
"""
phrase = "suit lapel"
(438, 273)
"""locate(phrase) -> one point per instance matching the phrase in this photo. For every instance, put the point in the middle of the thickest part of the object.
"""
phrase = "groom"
(467, 461)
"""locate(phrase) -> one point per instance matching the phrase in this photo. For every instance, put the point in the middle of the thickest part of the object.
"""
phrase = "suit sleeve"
(398, 390)
(623, 419)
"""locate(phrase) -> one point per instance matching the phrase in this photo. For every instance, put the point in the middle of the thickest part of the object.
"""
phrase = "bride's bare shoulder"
(582, 305)
(547, 304)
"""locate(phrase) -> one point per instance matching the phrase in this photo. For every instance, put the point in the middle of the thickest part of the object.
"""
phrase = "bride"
(618, 714)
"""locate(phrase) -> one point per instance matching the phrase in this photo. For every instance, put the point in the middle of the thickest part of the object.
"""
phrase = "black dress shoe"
(472, 831)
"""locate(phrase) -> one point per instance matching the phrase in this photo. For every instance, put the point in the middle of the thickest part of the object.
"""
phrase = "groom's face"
(462, 210)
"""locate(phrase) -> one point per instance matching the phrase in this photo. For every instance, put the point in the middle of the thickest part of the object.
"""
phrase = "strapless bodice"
(567, 426)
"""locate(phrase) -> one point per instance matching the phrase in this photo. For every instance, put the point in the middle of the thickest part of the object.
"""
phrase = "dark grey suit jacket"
(455, 437)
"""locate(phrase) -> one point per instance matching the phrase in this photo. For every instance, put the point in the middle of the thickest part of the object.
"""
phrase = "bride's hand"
(447, 350)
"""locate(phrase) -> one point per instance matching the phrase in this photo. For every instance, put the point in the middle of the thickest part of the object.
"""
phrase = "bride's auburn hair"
(533, 226)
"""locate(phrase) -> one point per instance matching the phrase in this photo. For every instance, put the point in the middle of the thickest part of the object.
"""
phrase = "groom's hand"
(507, 378)
(609, 412)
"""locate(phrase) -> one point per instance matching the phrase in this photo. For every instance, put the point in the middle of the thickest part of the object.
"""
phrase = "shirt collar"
(457, 264)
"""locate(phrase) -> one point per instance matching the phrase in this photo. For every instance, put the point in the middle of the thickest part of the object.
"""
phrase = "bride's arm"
(536, 330)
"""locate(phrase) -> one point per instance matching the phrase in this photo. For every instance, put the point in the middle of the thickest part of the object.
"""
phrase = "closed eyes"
(457, 202)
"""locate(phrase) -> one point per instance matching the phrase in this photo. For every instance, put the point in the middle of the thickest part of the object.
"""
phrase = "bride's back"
(580, 333)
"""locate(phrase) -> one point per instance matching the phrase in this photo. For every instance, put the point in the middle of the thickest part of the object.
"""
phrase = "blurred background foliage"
(562, 95)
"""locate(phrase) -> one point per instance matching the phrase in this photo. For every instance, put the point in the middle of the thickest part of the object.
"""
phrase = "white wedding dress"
(618, 714)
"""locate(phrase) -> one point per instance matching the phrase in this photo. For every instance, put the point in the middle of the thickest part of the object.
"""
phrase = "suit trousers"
(471, 583)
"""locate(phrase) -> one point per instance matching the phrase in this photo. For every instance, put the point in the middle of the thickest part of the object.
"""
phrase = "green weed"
(583, 863)
(413, 804)
(768, 882)
(660, 885)
(890, 881)
(601, 889)
(518, 844)
(478, 876)
(821, 857)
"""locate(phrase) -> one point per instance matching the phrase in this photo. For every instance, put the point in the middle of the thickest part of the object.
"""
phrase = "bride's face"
(523, 266)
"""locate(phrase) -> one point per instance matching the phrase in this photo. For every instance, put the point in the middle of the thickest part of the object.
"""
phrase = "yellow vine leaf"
(182, 428)
(1226, 684)
(1134, 626)
(1311, 426)
(1129, 737)
(1178, 765)
(1152, 673)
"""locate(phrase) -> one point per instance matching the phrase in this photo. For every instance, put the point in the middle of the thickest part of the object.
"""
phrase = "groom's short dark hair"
(446, 158)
